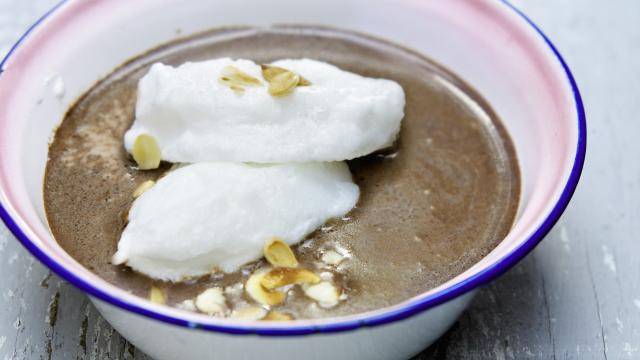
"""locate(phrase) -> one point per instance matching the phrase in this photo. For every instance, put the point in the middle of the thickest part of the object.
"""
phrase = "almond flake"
(326, 275)
(211, 301)
(239, 77)
(277, 316)
(270, 71)
(286, 276)
(332, 257)
(157, 296)
(283, 83)
(279, 254)
(324, 293)
(261, 295)
(124, 215)
(186, 305)
(146, 152)
(249, 313)
(143, 187)
(236, 89)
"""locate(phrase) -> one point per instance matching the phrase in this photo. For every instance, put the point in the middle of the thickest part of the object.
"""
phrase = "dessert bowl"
(490, 44)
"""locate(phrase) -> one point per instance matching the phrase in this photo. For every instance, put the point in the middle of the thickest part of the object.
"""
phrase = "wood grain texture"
(577, 296)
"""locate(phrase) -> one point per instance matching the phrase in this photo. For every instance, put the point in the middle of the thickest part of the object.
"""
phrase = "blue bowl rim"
(418, 306)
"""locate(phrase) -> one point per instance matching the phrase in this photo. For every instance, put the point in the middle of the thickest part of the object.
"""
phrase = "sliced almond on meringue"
(277, 316)
(286, 276)
(211, 301)
(250, 313)
(324, 293)
(279, 254)
(238, 77)
(143, 187)
(146, 152)
(269, 72)
(258, 292)
(237, 89)
(157, 296)
(284, 83)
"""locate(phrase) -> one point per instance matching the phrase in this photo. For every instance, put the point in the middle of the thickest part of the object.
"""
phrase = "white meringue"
(196, 118)
(217, 216)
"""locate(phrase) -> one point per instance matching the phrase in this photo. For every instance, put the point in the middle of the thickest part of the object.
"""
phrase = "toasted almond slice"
(156, 295)
(325, 293)
(279, 254)
(234, 290)
(332, 257)
(250, 313)
(326, 275)
(270, 71)
(186, 305)
(283, 83)
(146, 152)
(124, 215)
(143, 187)
(277, 316)
(285, 276)
(174, 167)
(211, 301)
(237, 89)
(304, 82)
(239, 77)
(261, 295)
(234, 86)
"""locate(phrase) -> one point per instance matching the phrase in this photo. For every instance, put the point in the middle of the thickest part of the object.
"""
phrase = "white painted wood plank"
(42, 316)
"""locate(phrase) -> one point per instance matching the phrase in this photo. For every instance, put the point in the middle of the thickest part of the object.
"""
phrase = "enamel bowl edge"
(488, 43)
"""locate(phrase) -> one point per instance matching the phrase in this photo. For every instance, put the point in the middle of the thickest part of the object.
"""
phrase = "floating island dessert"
(262, 148)
(332, 174)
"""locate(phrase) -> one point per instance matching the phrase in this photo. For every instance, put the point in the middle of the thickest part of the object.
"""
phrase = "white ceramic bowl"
(487, 42)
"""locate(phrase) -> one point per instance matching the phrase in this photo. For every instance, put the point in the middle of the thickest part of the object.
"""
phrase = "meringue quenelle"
(217, 216)
(197, 114)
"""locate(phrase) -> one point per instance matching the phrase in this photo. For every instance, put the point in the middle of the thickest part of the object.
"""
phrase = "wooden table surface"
(577, 296)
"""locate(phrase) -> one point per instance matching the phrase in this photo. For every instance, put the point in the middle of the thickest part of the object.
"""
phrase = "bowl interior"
(485, 42)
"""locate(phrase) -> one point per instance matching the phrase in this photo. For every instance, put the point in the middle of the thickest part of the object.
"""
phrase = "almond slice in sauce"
(146, 152)
(277, 316)
(249, 313)
(124, 215)
(211, 301)
(142, 188)
(324, 293)
(279, 277)
(157, 296)
(186, 305)
(257, 292)
(279, 254)
(332, 257)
